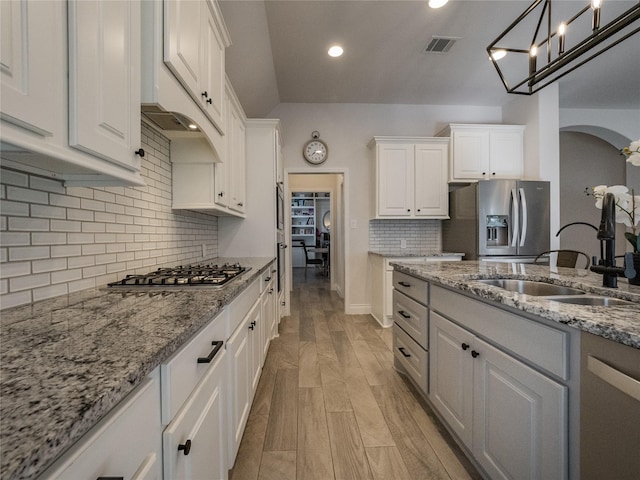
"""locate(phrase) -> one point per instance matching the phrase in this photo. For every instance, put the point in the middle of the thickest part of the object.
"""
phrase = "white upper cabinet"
(411, 177)
(236, 155)
(104, 80)
(195, 51)
(486, 151)
(71, 90)
(32, 65)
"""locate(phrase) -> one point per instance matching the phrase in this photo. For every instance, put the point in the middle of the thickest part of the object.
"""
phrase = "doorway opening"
(316, 216)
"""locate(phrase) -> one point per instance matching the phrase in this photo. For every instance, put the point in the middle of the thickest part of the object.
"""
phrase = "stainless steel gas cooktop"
(189, 275)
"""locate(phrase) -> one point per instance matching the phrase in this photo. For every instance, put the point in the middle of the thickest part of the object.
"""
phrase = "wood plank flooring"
(331, 406)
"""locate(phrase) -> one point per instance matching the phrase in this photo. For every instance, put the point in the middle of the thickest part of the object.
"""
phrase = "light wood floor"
(329, 404)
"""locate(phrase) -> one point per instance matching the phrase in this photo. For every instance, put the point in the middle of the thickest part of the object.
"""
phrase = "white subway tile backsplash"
(421, 235)
(14, 208)
(49, 265)
(17, 254)
(27, 195)
(29, 282)
(45, 211)
(46, 184)
(49, 291)
(58, 239)
(28, 224)
(15, 269)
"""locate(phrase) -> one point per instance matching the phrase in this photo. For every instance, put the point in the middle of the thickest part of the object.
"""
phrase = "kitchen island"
(67, 361)
(510, 373)
(620, 323)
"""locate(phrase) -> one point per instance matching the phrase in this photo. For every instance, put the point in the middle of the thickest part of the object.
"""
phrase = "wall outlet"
(403, 243)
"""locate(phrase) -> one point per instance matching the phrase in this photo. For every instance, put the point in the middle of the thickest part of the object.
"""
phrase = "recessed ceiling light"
(193, 126)
(335, 51)
(437, 3)
(498, 54)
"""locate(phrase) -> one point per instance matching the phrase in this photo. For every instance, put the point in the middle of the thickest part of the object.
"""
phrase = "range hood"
(168, 121)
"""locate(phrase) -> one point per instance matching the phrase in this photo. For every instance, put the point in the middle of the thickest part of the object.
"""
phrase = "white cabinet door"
(395, 164)
(451, 375)
(194, 443)
(506, 150)
(104, 79)
(520, 418)
(125, 444)
(239, 349)
(430, 181)
(237, 155)
(256, 327)
(212, 69)
(183, 45)
(470, 150)
(32, 66)
(268, 317)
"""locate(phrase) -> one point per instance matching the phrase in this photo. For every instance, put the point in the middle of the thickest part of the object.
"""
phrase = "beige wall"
(348, 128)
(586, 161)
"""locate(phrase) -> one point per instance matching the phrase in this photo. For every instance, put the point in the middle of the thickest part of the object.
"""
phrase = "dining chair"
(310, 261)
(566, 258)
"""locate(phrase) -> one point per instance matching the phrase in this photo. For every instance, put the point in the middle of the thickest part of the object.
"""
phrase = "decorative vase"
(636, 264)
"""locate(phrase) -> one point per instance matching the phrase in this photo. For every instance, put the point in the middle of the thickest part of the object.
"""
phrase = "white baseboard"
(362, 309)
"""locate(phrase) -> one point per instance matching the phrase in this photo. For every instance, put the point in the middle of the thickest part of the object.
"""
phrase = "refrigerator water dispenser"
(497, 230)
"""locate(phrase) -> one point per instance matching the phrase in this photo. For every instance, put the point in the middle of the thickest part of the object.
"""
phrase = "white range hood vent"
(440, 44)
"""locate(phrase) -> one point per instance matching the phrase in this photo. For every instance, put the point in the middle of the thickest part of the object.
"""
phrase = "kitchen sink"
(529, 287)
(592, 301)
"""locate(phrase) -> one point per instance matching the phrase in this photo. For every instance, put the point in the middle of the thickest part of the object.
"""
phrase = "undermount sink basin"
(529, 287)
(592, 301)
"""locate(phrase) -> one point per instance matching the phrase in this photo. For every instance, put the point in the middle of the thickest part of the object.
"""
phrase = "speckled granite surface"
(620, 323)
(67, 361)
(403, 252)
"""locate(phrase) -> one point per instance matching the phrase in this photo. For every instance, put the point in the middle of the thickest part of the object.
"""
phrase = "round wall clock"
(315, 151)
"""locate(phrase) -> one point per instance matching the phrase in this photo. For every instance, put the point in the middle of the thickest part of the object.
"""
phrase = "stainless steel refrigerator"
(498, 220)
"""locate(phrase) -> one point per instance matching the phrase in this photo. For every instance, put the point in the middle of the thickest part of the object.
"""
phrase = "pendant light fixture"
(555, 48)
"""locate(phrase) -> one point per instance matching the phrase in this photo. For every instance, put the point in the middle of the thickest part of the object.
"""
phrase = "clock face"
(315, 152)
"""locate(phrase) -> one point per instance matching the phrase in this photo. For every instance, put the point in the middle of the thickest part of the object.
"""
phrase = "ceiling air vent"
(440, 44)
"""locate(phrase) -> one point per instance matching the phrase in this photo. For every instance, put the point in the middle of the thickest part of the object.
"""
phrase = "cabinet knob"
(465, 346)
(418, 209)
(221, 194)
(271, 290)
(209, 101)
(493, 173)
(140, 152)
(267, 279)
(205, 94)
(283, 303)
(475, 354)
(186, 447)
(240, 204)
(484, 173)
(408, 209)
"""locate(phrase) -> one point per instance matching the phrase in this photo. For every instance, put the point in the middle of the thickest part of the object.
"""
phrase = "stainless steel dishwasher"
(609, 410)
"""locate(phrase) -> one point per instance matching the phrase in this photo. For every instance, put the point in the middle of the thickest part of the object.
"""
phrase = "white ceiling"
(279, 54)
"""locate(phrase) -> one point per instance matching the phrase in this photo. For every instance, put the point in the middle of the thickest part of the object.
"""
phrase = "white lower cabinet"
(125, 444)
(244, 366)
(511, 417)
(194, 443)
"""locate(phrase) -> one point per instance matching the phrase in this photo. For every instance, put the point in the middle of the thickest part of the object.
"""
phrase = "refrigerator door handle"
(523, 202)
(515, 212)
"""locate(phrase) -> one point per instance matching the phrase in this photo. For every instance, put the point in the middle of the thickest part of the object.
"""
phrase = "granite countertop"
(403, 252)
(67, 361)
(620, 323)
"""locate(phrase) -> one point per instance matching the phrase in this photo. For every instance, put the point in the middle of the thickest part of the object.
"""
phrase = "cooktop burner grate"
(189, 275)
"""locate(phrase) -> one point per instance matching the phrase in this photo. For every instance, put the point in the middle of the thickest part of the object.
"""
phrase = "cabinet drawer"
(412, 317)
(412, 287)
(266, 277)
(239, 308)
(125, 444)
(411, 356)
(539, 344)
(182, 372)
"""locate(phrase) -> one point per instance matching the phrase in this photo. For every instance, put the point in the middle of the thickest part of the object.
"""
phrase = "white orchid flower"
(633, 153)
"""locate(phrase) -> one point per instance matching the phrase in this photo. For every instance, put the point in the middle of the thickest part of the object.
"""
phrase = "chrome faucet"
(607, 234)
